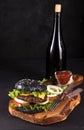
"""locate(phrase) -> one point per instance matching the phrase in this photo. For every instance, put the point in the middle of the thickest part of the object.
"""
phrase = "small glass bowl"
(63, 77)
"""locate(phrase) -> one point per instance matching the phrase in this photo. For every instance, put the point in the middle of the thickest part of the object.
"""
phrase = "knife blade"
(70, 95)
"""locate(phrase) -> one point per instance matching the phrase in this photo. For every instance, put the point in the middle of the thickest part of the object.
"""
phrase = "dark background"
(25, 31)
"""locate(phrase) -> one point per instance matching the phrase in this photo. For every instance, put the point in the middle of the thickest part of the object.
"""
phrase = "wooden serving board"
(61, 112)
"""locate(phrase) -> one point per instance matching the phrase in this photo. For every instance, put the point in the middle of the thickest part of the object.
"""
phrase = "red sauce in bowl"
(63, 76)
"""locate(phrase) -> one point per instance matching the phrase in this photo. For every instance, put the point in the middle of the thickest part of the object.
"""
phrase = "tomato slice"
(17, 104)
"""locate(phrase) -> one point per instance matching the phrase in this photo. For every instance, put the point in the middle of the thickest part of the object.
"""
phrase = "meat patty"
(32, 99)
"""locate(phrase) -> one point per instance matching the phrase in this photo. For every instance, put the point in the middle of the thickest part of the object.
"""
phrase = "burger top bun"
(30, 85)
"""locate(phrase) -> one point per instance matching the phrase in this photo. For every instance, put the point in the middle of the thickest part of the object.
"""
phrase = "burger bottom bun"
(61, 112)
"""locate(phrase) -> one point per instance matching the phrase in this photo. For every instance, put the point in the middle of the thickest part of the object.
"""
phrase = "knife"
(68, 89)
(69, 95)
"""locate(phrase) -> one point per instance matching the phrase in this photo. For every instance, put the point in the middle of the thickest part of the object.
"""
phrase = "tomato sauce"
(63, 76)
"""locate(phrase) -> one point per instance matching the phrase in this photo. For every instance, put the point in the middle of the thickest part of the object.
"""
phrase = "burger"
(29, 96)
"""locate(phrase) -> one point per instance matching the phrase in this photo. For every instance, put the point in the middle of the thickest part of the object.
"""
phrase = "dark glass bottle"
(56, 51)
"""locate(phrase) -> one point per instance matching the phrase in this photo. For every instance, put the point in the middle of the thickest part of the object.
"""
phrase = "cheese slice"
(25, 94)
(42, 95)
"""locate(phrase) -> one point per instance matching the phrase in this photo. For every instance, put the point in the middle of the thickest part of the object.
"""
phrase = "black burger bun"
(28, 111)
(30, 85)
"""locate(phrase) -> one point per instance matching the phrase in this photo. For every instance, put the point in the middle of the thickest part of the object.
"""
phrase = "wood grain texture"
(61, 112)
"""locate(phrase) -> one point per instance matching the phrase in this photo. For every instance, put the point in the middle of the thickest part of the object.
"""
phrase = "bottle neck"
(57, 23)
(57, 30)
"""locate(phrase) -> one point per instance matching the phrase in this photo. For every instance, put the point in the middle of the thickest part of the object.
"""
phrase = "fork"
(69, 95)
(55, 103)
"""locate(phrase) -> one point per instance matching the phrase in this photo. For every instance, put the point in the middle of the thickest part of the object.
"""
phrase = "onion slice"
(20, 101)
(45, 102)
(54, 90)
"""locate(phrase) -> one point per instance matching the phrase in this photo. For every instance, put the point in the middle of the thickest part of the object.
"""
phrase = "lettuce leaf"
(15, 93)
(37, 106)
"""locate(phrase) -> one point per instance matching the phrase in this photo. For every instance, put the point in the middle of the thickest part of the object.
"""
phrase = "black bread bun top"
(30, 85)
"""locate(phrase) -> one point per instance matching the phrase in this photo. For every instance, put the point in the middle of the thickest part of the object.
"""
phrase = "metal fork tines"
(55, 103)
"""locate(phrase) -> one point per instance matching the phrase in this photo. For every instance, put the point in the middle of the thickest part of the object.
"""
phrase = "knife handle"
(74, 93)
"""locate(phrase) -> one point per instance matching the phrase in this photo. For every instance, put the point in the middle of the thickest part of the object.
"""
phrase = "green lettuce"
(15, 93)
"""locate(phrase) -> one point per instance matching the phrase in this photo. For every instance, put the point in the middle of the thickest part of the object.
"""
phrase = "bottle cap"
(58, 8)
